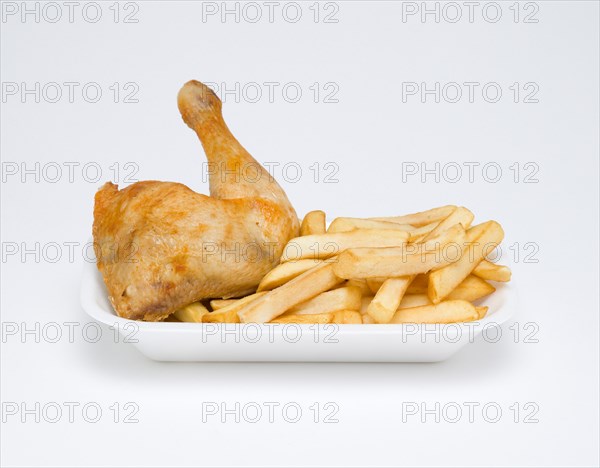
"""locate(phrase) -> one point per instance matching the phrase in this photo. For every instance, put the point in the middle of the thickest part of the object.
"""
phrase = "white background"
(368, 134)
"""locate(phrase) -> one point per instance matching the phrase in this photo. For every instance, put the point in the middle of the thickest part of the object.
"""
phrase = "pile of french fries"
(427, 267)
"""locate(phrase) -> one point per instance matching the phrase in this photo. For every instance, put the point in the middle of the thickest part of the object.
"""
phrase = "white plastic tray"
(172, 341)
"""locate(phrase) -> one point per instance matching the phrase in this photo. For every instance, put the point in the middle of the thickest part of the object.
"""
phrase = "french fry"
(366, 319)
(313, 223)
(360, 284)
(421, 232)
(327, 245)
(419, 284)
(454, 234)
(191, 313)
(444, 312)
(460, 215)
(364, 304)
(285, 272)
(339, 317)
(347, 317)
(348, 298)
(306, 286)
(386, 301)
(314, 318)
(471, 289)
(375, 283)
(217, 304)
(398, 261)
(366, 263)
(229, 314)
(481, 311)
(422, 218)
(479, 240)
(493, 272)
(350, 224)
(414, 300)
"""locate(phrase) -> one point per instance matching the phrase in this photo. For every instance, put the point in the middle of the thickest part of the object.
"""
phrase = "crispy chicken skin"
(161, 246)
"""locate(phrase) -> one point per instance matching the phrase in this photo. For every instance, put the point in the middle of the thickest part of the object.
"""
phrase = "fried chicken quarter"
(161, 246)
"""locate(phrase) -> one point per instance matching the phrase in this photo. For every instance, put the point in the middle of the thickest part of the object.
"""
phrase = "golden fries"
(386, 301)
(217, 304)
(481, 240)
(313, 223)
(330, 244)
(364, 304)
(340, 317)
(482, 311)
(315, 318)
(414, 300)
(460, 215)
(274, 303)
(374, 284)
(419, 284)
(402, 261)
(350, 224)
(330, 301)
(444, 312)
(418, 234)
(366, 319)
(347, 317)
(285, 272)
(191, 313)
(422, 218)
(493, 272)
(360, 284)
(229, 314)
(471, 289)
(426, 267)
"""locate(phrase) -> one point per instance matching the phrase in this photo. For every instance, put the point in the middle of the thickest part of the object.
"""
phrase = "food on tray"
(240, 254)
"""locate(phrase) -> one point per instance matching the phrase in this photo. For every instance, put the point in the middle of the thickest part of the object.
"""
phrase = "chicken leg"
(161, 246)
